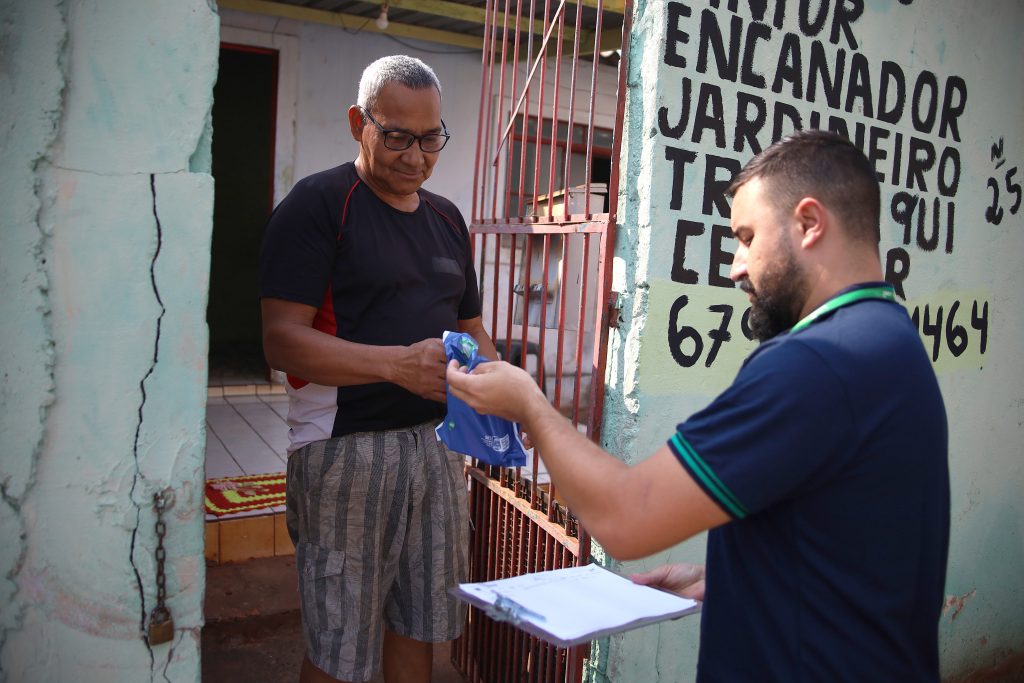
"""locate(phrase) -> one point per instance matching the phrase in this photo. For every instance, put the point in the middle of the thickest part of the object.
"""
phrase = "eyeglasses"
(399, 140)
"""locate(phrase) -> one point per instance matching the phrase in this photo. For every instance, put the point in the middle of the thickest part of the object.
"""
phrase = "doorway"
(244, 113)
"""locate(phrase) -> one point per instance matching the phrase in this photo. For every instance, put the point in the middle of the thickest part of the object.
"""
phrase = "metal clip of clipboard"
(511, 612)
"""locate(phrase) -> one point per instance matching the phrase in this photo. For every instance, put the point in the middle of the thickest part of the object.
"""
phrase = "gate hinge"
(613, 309)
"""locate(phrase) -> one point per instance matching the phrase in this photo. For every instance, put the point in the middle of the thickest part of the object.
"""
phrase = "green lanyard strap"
(885, 292)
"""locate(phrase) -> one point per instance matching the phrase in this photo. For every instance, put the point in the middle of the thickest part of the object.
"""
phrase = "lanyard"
(885, 293)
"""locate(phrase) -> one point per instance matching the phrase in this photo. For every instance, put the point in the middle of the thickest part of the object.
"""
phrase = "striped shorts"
(380, 523)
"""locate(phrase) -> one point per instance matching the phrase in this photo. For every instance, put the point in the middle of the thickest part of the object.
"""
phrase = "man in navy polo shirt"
(821, 472)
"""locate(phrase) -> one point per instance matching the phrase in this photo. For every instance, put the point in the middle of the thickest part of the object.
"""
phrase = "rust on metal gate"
(544, 205)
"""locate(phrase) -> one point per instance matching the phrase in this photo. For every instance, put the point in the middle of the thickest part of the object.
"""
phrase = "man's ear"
(812, 220)
(356, 122)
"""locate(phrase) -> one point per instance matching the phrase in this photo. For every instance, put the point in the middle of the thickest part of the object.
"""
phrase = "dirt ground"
(253, 631)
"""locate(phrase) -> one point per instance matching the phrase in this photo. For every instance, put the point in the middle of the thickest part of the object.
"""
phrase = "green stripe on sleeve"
(719, 490)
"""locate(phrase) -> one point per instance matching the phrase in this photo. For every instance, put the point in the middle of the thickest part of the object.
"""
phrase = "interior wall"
(924, 90)
(243, 147)
(325, 80)
(106, 206)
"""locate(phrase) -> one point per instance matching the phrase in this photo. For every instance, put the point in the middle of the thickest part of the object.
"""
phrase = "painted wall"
(105, 211)
(932, 93)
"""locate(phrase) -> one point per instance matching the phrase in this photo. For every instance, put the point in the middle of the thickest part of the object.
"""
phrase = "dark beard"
(777, 302)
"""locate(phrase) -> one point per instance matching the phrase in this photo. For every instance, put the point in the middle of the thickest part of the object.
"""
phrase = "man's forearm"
(321, 358)
(582, 472)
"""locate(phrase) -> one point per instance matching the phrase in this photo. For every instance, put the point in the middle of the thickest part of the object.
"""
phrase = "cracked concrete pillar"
(106, 211)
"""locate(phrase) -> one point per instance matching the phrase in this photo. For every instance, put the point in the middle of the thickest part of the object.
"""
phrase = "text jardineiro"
(907, 124)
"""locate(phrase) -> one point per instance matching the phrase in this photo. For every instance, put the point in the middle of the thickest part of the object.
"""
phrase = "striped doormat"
(240, 494)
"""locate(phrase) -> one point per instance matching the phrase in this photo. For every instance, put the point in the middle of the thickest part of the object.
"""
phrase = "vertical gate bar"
(547, 648)
(572, 114)
(478, 247)
(531, 659)
(512, 114)
(508, 302)
(497, 288)
(490, 125)
(495, 513)
(517, 481)
(562, 654)
(535, 484)
(527, 287)
(593, 99)
(523, 643)
(584, 546)
(493, 628)
(540, 111)
(514, 661)
(509, 539)
(475, 240)
(487, 654)
(506, 635)
(499, 550)
(581, 325)
(527, 567)
(542, 324)
(563, 285)
(501, 107)
(553, 152)
(465, 641)
(538, 558)
(525, 131)
(480, 114)
(525, 322)
(479, 561)
(608, 238)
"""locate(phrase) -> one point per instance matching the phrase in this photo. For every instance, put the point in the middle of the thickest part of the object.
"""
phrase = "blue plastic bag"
(493, 440)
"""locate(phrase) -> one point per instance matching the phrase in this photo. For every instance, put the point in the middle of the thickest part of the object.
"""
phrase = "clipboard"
(575, 605)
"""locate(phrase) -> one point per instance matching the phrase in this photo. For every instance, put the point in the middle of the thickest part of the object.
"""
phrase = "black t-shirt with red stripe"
(377, 276)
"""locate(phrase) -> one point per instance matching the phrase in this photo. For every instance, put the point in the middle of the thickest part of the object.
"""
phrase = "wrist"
(393, 356)
(534, 411)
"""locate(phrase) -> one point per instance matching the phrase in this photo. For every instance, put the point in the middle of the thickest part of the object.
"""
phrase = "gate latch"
(613, 309)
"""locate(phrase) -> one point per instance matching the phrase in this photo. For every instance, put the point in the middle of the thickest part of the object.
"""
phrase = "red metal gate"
(544, 203)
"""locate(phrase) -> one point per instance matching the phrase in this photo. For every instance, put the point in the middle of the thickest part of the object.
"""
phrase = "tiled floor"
(246, 433)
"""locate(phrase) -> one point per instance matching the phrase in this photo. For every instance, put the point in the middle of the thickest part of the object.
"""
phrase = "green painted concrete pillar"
(105, 214)
(931, 92)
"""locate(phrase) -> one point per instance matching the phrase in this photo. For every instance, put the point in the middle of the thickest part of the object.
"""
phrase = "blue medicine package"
(493, 440)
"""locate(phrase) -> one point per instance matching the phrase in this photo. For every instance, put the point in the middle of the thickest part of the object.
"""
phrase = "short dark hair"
(823, 165)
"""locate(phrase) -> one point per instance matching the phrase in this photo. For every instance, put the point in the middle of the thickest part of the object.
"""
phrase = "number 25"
(994, 213)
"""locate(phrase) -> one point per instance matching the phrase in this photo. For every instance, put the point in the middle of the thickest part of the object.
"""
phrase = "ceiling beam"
(441, 8)
(465, 12)
(352, 22)
(610, 39)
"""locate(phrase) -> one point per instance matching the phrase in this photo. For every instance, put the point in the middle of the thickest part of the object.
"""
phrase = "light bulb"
(382, 18)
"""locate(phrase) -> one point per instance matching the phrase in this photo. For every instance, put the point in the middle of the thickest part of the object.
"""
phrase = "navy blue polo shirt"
(829, 452)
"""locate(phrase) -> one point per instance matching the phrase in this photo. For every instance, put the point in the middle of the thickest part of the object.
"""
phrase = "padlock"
(161, 626)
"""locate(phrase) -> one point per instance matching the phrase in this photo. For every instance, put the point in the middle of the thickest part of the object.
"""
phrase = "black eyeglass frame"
(385, 132)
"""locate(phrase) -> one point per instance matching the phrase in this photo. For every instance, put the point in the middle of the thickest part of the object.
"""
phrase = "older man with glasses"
(362, 271)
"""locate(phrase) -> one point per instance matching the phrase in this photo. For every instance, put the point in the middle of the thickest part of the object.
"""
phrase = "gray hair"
(409, 71)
